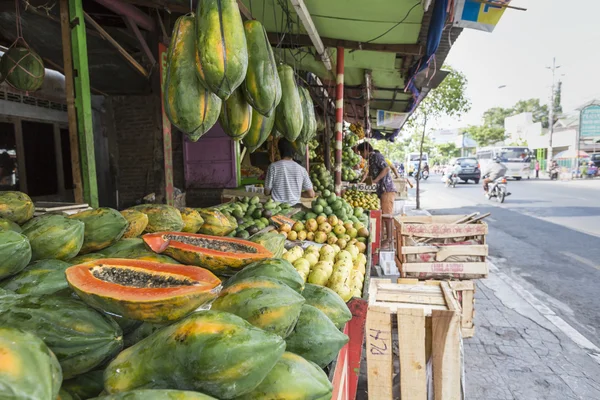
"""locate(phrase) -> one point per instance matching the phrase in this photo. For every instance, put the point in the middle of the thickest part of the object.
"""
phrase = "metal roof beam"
(402, 49)
(309, 25)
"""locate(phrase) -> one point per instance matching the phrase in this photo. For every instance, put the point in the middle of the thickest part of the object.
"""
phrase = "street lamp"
(553, 68)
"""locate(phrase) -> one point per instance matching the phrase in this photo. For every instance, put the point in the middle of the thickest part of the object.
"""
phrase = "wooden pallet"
(424, 320)
(431, 233)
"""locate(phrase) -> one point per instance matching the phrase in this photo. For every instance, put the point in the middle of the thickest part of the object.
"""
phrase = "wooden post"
(166, 128)
(72, 113)
(339, 119)
(83, 102)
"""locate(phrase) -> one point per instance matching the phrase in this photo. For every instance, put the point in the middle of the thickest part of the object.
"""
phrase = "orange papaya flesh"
(143, 290)
(221, 255)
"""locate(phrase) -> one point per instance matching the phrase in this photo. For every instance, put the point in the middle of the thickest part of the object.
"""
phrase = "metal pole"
(551, 112)
(339, 119)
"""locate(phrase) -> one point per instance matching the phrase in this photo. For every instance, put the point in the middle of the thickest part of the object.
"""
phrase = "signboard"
(166, 127)
(390, 119)
(478, 14)
(590, 121)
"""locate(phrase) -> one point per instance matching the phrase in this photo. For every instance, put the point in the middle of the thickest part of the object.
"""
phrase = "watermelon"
(22, 68)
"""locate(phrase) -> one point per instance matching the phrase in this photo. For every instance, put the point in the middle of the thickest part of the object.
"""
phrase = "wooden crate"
(431, 257)
(465, 293)
(423, 320)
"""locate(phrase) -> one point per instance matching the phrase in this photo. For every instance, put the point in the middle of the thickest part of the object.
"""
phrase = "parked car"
(470, 169)
(595, 158)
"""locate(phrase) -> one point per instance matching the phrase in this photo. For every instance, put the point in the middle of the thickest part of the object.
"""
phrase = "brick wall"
(136, 123)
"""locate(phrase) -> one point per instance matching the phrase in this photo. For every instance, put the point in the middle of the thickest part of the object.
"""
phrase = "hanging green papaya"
(260, 129)
(309, 126)
(188, 105)
(261, 86)
(288, 114)
(222, 53)
(236, 115)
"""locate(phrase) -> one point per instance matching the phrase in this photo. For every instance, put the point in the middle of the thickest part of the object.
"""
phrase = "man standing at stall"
(379, 171)
(286, 180)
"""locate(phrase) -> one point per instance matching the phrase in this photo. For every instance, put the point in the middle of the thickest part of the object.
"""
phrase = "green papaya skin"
(259, 132)
(40, 277)
(236, 115)
(309, 126)
(222, 53)
(28, 369)
(315, 337)
(262, 86)
(213, 352)
(80, 337)
(188, 104)
(288, 114)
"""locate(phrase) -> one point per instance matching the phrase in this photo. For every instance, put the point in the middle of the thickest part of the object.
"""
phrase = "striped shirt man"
(286, 180)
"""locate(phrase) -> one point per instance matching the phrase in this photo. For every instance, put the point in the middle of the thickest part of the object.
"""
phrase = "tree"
(486, 135)
(394, 151)
(495, 116)
(447, 100)
(446, 151)
(539, 112)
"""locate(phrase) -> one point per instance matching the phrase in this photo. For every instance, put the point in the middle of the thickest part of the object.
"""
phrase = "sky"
(517, 53)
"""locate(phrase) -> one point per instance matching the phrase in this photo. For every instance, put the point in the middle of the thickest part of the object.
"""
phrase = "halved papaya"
(143, 290)
(222, 255)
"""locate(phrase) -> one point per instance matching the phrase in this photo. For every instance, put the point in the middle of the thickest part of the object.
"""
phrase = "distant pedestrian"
(537, 169)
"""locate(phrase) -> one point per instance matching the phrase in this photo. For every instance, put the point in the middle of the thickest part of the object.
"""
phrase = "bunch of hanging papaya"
(220, 68)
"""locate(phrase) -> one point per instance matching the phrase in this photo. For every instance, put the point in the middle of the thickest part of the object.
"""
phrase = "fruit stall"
(234, 296)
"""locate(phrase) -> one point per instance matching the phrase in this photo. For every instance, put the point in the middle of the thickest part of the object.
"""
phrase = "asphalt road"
(546, 235)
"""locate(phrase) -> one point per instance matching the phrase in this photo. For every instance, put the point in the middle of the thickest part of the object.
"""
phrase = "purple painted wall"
(211, 161)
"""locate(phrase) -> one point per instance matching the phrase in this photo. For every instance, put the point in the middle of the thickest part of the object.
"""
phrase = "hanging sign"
(389, 119)
(589, 125)
(482, 15)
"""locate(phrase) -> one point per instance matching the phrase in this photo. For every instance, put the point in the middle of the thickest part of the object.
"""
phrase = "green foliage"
(447, 100)
(445, 152)
(486, 135)
(392, 151)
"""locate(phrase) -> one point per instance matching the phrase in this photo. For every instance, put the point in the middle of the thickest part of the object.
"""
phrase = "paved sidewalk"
(517, 353)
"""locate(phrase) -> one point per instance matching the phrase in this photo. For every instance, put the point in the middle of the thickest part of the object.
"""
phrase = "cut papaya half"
(143, 290)
(222, 255)
(279, 220)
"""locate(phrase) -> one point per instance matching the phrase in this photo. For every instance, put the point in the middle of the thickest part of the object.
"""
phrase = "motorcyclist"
(453, 170)
(492, 172)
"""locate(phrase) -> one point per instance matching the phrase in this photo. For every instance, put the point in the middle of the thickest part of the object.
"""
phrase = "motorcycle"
(451, 181)
(498, 190)
(553, 174)
(423, 175)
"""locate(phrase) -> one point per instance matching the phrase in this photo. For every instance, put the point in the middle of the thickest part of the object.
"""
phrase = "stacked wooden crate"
(444, 247)
(413, 341)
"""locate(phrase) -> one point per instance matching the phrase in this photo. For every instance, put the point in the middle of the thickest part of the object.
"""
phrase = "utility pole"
(551, 112)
